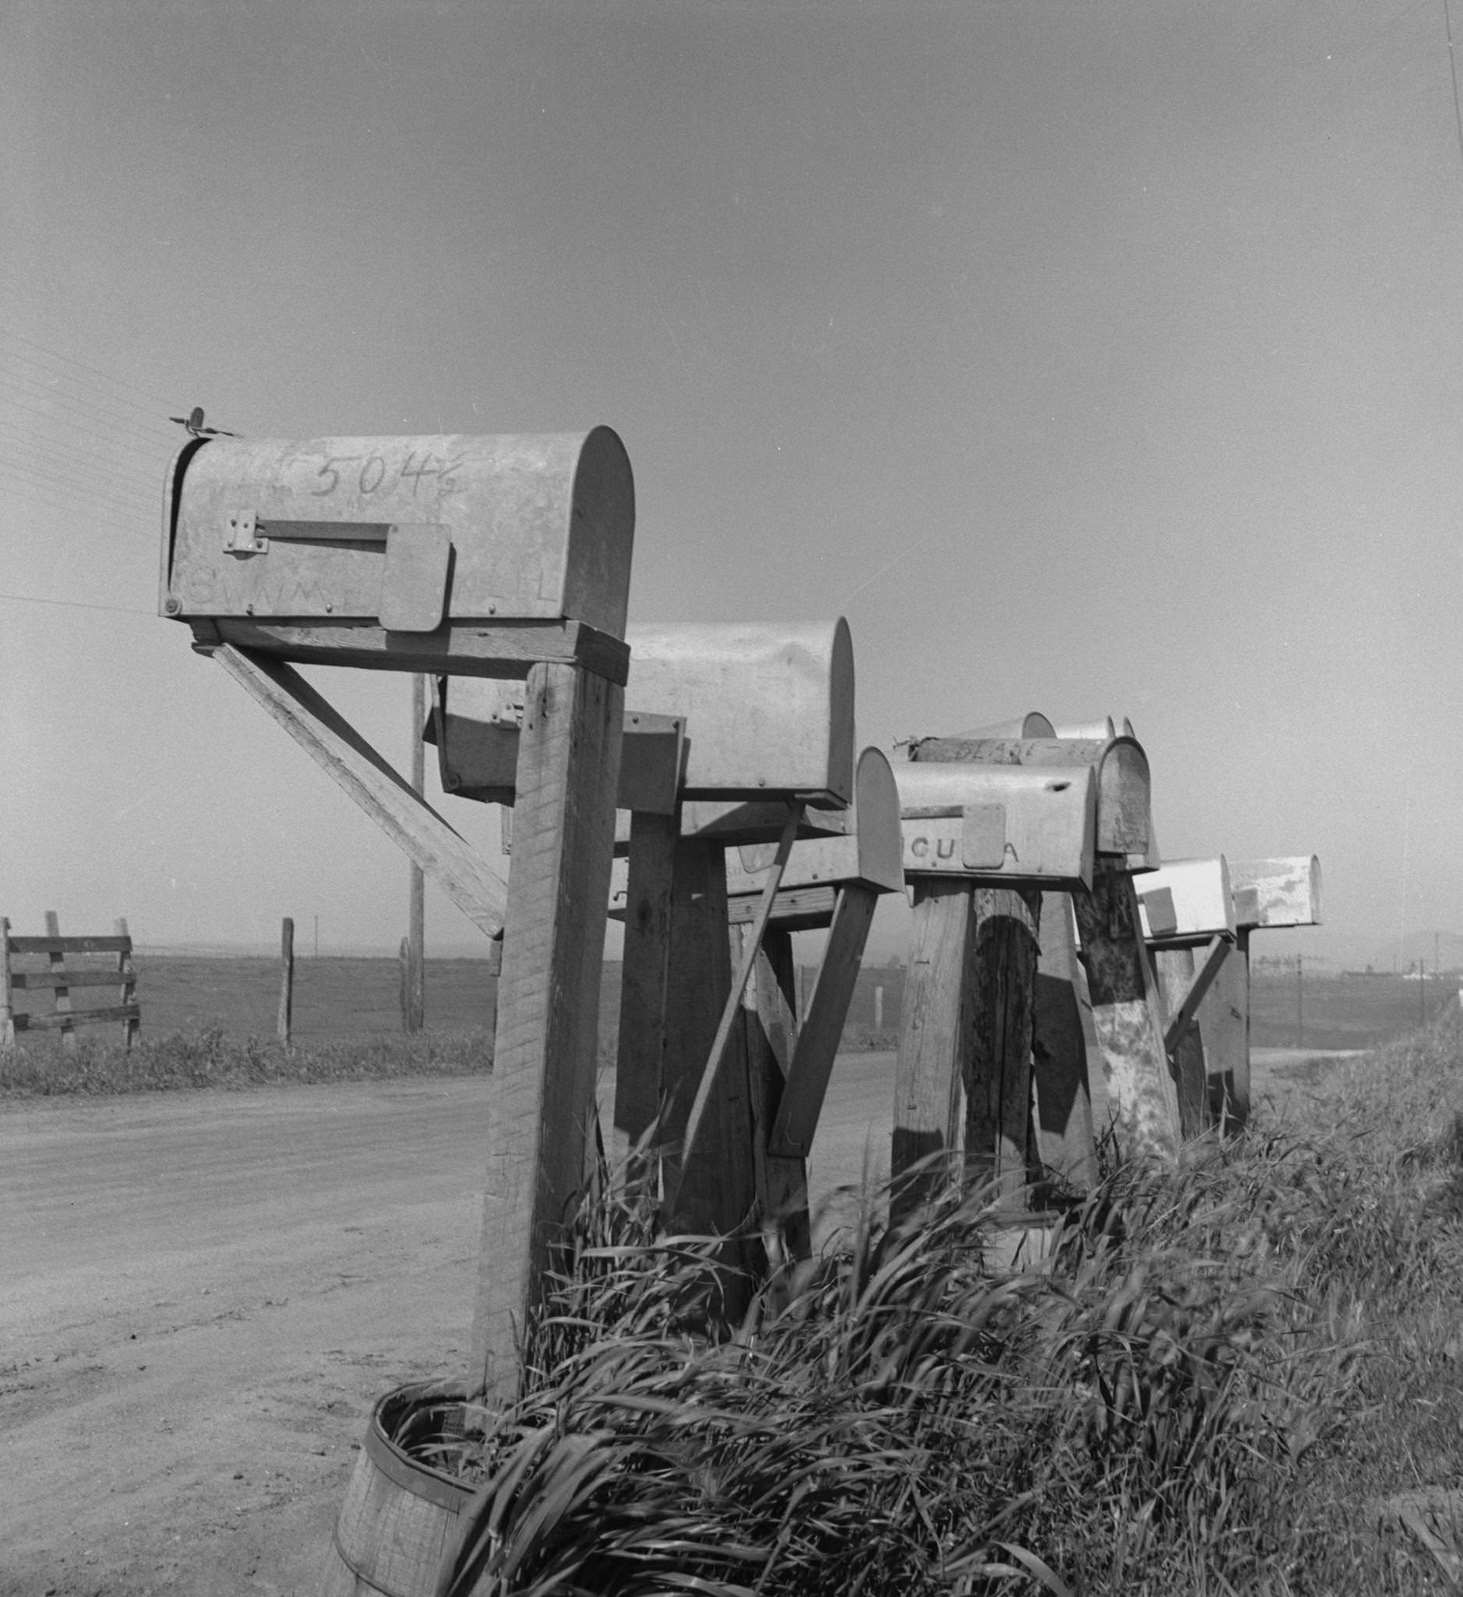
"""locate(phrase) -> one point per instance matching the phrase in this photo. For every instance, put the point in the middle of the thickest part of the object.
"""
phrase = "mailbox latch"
(243, 538)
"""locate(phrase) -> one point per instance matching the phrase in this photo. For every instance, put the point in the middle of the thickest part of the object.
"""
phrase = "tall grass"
(1221, 1384)
(210, 1058)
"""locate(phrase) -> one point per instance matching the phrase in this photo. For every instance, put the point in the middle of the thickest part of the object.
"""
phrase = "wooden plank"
(927, 1076)
(645, 973)
(1175, 970)
(64, 1021)
(70, 945)
(821, 1032)
(511, 649)
(796, 909)
(1061, 1049)
(771, 1036)
(548, 1004)
(752, 942)
(997, 1073)
(70, 976)
(1224, 1015)
(373, 783)
(1185, 1005)
(1128, 1014)
(714, 1191)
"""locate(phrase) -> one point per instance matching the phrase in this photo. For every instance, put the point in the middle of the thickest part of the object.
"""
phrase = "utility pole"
(1300, 1025)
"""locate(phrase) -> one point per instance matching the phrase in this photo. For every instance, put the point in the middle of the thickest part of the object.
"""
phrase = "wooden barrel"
(399, 1520)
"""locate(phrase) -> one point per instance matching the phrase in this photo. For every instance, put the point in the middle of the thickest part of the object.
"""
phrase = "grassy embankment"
(1240, 1377)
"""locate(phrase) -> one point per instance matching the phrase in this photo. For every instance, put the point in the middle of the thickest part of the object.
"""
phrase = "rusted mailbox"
(461, 553)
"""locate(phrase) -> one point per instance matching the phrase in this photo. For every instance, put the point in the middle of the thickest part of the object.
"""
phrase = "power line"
(54, 463)
(70, 404)
(1453, 75)
(77, 604)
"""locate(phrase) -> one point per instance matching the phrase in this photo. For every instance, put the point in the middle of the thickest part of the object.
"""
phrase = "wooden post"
(645, 973)
(1175, 968)
(7, 1012)
(715, 1192)
(61, 993)
(1061, 1047)
(1128, 1013)
(771, 1032)
(548, 1014)
(998, 1067)
(286, 979)
(126, 984)
(932, 1032)
(1225, 1016)
(413, 1013)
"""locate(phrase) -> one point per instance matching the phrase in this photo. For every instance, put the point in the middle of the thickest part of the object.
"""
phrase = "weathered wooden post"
(830, 884)
(480, 557)
(1127, 1009)
(980, 841)
(7, 1011)
(126, 983)
(736, 735)
(1186, 910)
(1268, 893)
(284, 1025)
(60, 988)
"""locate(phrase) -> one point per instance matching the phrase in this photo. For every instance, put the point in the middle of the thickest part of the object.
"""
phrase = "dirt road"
(202, 1294)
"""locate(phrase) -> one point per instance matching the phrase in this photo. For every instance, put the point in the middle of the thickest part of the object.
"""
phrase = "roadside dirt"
(203, 1295)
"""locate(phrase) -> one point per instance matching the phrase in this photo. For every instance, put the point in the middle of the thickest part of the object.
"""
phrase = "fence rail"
(54, 982)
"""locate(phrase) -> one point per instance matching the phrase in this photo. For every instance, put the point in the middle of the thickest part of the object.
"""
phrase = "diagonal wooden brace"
(751, 947)
(375, 785)
(1215, 953)
(822, 1029)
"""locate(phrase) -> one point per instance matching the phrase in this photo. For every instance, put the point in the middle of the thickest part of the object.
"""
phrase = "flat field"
(346, 997)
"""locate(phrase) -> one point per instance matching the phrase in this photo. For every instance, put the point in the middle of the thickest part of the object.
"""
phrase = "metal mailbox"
(869, 853)
(1124, 794)
(329, 547)
(999, 824)
(1185, 903)
(767, 713)
(1277, 892)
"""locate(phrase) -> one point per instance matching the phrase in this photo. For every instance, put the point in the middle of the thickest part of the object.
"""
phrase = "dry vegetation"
(1240, 1377)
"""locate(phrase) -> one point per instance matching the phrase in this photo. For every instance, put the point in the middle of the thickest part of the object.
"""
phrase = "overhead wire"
(77, 604)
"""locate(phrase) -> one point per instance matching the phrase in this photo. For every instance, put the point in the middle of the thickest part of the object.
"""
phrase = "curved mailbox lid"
(1100, 729)
(402, 530)
(1277, 892)
(999, 824)
(869, 854)
(768, 707)
(1123, 787)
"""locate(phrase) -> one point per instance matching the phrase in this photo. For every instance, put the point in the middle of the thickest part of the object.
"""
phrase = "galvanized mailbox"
(1185, 903)
(1124, 795)
(400, 552)
(1277, 892)
(1001, 825)
(767, 712)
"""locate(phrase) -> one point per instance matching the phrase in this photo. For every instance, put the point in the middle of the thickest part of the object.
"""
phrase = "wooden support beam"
(822, 1027)
(1128, 1014)
(387, 797)
(997, 1071)
(1174, 968)
(645, 972)
(1063, 1042)
(936, 1015)
(771, 1035)
(1224, 1015)
(61, 993)
(1183, 1013)
(548, 1011)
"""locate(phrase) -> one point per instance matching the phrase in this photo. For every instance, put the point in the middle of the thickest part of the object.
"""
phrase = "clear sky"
(1096, 359)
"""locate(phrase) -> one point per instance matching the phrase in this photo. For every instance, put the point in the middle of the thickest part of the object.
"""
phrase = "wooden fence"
(47, 971)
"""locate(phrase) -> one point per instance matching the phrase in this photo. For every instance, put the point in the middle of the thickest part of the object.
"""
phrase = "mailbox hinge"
(243, 538)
